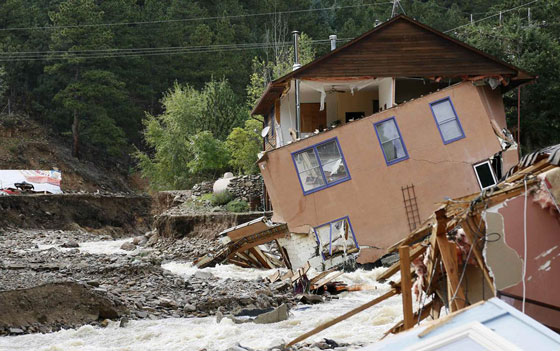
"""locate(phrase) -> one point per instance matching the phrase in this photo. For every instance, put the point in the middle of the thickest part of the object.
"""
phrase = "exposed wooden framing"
(284, 254)
(416, 251)
(347, 315)
(406, 286)
(260, 257)
(247, 257)
(240, 262)
(449, 258)
(473, 238)
(433, 255)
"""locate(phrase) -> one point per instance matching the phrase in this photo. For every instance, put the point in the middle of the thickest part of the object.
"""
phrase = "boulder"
(70, 244)
(128, 246)
(69, 303)
(277, 315)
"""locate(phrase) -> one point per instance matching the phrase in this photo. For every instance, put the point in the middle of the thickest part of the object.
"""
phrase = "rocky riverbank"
(133, 278)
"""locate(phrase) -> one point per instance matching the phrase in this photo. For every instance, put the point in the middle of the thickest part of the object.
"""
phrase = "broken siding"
(373, 198)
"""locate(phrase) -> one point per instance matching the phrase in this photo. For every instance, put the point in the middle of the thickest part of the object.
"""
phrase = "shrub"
(221, 199)
(237, 206)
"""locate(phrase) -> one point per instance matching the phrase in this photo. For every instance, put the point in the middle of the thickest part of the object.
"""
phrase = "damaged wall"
(543, 254)
(372, 198)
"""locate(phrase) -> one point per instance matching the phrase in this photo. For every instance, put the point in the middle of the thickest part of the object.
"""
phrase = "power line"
(115, 53)
(491, 16)
(192, 19)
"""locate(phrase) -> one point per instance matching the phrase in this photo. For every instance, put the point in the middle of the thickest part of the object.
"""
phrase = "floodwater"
(174, 334)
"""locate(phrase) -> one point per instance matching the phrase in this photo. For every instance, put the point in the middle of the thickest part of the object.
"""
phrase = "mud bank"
(125, 213)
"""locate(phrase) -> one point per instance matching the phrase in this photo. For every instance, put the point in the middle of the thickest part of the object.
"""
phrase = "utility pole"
(395, 10)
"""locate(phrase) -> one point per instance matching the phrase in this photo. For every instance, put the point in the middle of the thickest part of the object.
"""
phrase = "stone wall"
(248, 187)
(202, 188)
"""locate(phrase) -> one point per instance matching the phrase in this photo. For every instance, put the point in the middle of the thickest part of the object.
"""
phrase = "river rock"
(70, 244)
(279, 314)
(128, 246)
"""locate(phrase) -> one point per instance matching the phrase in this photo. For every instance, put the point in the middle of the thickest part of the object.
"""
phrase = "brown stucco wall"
(373, 198)
(542, 282)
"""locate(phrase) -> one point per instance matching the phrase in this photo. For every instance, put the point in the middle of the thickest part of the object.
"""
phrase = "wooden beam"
(449, 258)
(416, 251)
(347, 315)
(260, 257)
(284, 254)
(473, 238)
(406, 286)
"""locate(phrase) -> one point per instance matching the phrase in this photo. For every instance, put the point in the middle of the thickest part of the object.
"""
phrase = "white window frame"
(491, 171)
(475, 331)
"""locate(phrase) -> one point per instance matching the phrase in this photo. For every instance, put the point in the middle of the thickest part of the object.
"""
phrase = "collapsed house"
(499, 243)
(362, 142)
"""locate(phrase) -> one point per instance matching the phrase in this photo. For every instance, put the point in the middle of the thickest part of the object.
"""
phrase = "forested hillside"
(120, 74)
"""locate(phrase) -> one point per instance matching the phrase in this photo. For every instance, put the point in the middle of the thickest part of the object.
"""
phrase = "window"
(485, 175)
(391, 142)
(447, 121)
(320, 166)
(336, 238)
(354, 116)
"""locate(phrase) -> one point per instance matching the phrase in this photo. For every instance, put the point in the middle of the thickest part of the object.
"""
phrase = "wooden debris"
(406, 286)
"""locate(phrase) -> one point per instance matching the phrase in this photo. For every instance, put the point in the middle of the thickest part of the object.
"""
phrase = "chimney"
(333, 41)
(295, 67)
(296, 50)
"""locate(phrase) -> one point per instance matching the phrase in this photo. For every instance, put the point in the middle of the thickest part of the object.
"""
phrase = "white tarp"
(41, 180)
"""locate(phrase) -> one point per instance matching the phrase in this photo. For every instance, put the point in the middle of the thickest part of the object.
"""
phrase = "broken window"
(391, 142)
(485, 175)
(336, 238)
(447, 121)
(320, 166)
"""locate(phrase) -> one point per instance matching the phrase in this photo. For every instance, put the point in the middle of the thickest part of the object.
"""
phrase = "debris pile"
(243, 245)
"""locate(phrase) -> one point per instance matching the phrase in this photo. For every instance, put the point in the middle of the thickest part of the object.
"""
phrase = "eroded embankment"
(124, 213)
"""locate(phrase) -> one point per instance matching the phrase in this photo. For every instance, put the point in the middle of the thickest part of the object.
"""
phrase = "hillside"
(27, 145)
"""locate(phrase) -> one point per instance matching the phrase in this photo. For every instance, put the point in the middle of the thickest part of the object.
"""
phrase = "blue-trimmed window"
(320, 166)
(447, 121)
(336, 237)
(391, 141)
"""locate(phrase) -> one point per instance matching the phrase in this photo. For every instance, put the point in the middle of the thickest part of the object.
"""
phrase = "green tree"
(187, 139)
(244, 144)
(88, 93)
(209, 155)
(535, 49)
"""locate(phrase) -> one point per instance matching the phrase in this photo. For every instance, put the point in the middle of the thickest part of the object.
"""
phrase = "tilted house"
(391, 123)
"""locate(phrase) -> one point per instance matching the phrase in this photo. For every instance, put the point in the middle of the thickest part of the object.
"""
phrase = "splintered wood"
(253, 244)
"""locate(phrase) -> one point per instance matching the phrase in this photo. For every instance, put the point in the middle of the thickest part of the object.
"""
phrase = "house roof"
(400, 47)
(499, 319)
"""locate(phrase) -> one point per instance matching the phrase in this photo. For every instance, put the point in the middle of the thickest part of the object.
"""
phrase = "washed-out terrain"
(128, 283)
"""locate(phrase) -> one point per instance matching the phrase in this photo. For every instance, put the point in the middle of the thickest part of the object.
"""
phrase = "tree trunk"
(76, 135)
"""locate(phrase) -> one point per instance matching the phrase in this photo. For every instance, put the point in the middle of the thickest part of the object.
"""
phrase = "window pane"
(393, 150)
(306, 160)
(323, 233)
(450, 130)
(334, 170)
(311, 179)
(387, 131)
(328, 152)
(485, 175)
(443, 111)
